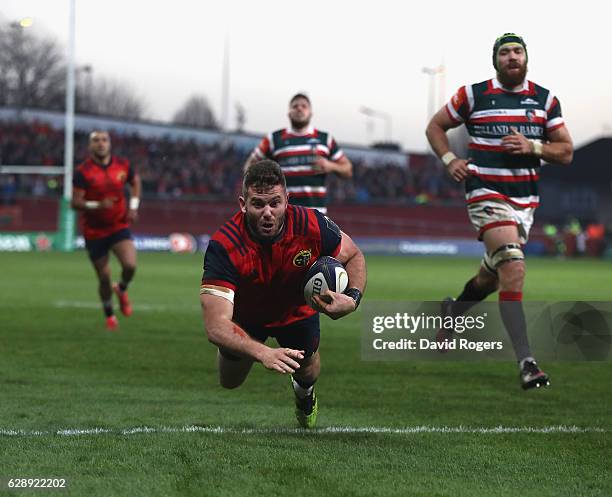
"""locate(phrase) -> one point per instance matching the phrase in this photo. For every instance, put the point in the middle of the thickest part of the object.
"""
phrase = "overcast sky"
(345, 55)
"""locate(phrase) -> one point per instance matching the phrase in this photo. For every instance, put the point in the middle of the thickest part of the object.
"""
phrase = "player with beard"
(305, 154)
(513, 125)
(99, 184)
(252, 287)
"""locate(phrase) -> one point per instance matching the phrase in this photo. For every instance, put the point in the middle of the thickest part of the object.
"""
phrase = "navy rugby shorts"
(300, 335)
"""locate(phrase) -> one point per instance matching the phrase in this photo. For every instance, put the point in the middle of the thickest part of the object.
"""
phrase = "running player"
(513, 125)
(98, 193)
(305, 154)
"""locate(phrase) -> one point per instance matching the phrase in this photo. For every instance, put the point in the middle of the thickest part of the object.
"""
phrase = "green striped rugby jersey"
(295, 153)
(488, 111)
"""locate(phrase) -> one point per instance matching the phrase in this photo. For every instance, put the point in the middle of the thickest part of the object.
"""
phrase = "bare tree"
(33, 74)
(196, 112)
(32, 69)
(112, 98)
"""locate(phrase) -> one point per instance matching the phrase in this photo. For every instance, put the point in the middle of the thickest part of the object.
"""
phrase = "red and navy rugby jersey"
(267, 277)
(100, 182)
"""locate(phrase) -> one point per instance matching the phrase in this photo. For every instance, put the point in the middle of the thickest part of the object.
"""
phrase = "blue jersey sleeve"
(331, 236)
(218, 268)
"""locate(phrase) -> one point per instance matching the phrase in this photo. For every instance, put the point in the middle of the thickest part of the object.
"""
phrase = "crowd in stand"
(173, 168)
(422, 181)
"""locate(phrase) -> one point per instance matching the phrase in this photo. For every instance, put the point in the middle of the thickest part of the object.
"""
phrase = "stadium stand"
(175, 167)
(390, 194)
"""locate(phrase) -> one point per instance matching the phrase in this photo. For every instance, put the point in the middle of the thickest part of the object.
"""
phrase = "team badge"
(489, 211)
(302, 258)
(530, 114)
(121, 175)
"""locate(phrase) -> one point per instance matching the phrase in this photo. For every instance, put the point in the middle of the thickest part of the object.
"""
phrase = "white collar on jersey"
(498, 86)
(308, 131)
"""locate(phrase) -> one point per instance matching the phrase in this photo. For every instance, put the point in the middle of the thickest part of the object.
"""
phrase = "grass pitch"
(60, 370)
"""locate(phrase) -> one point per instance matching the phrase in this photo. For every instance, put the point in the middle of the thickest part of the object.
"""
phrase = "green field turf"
(60, 370)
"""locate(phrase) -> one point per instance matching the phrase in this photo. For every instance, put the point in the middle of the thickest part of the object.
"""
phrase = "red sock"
(513, 317)
(513, 296)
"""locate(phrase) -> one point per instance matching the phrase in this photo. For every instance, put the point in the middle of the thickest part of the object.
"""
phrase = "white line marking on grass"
(76, 304)
(350, 430)
(91, 431)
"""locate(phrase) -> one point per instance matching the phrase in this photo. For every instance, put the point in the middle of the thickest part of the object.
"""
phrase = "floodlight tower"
(225, 83)
(385, 116)
(434, 73)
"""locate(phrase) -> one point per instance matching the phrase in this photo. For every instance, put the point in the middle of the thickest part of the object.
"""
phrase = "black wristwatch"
(355, 294)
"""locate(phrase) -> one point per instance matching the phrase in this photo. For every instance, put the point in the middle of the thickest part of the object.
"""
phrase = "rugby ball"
(326, 273)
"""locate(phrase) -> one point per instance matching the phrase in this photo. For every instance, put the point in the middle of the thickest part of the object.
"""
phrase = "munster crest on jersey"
(302, 258)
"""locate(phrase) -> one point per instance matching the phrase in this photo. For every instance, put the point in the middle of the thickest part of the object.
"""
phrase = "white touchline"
(67, 432)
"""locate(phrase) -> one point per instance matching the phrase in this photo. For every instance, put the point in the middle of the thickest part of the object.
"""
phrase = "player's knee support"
(506, 253)
(487, 265)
